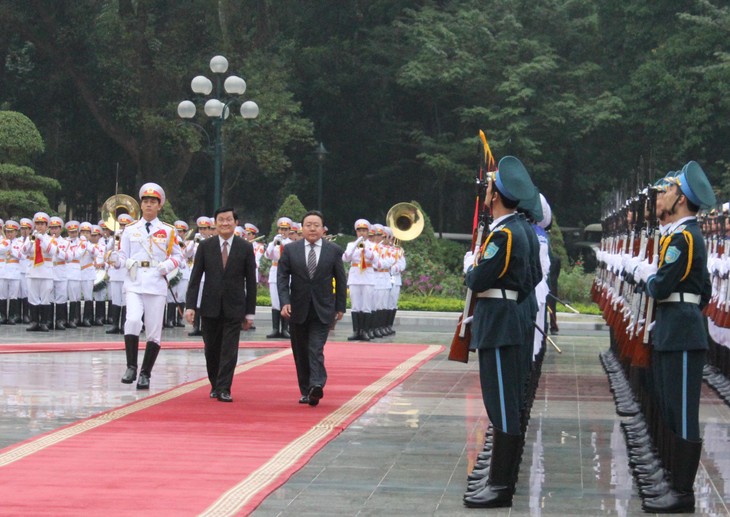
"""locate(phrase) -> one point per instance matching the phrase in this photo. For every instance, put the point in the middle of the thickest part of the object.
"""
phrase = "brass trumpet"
(117, 205)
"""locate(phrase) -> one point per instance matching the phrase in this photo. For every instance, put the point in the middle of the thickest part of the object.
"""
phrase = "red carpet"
(93, 346)
(180, 453)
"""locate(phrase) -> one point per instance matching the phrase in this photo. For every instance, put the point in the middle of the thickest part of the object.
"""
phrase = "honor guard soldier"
(273, 253)
(396, 271)
(258, 248)
(73, 275)
(681, 287)
(148, 252)
(204, 225)
(117, 302)
(382, 263)
(85, 253)
(295, 233)
(26, 229)
(40, 248)
(360, 280)
(106, 244)
(60, 280)
(500, 275)
(99, 284)
(187, 248)
(10, 255)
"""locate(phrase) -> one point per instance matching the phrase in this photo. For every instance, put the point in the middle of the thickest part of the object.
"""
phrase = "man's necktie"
(311, 261)
(147, 225)
(224, 253)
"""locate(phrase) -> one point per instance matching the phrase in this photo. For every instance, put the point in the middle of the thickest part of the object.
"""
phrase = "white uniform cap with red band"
(202, 222)
(152, 190)
(362, 224)
(182, 226)
(296, 227)
(41, 217)
(26, 223)
(125, 219)
(11, 225)
(95, 229)
(378, 229)
(284, 222)
(101, 224)
(72, 226)
(251, 228)
(85, 227)
(239, 231)
(56, 221)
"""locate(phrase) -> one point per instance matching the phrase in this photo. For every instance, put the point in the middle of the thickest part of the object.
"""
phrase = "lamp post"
(321, 153)
(217, 110)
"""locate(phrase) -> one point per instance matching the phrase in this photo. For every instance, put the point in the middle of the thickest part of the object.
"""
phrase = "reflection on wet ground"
(410, 453)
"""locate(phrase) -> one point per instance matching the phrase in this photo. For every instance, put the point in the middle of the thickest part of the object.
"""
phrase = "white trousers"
(152, 306)
(9, 289)
(115, 293)
(60, 291)
(274, 293)
(361, 297)
(40, 291)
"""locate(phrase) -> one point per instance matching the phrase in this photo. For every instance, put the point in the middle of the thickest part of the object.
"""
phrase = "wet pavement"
(411, 452)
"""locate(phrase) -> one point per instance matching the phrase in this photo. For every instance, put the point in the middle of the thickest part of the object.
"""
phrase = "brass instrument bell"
(406, 221)
(117, 205)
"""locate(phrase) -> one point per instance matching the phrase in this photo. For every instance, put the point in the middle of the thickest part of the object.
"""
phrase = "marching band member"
(117, 303)
(26, 229)
(382, 262)
(396, 281)
(40, 248)
(85, 252)
(205, 230)
(60, 280)
(360, 280)
(148, 252)
(10, 255)
(99, 291)
(273, 253)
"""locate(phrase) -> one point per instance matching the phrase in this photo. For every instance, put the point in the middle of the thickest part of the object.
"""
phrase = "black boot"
(14, 312)
(25, 310)
(60, 316)
(355, 326)
(3, 312)
(285, 328)
(681, 497)
(99, 314)
(178, 316)
(35, 325)
(88, 314)
(275, 323)
(114, 314)
(122, 319)
(46, 314)
(72, 316)
(196, 324)
(502, 473)
(131, 347)
(366, 331)
(150, 356)
(391, 321)
(169, 317)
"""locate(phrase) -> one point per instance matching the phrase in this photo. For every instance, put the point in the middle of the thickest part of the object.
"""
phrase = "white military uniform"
(273, 253)
(10, 256)
(148, 251)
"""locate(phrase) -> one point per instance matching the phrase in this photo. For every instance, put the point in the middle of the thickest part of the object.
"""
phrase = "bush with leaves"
(575, 284)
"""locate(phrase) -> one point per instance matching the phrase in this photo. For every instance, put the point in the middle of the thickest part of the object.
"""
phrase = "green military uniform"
(682, 288)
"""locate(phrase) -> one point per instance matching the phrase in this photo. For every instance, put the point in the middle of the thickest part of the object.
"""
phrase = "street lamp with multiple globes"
(217, 110)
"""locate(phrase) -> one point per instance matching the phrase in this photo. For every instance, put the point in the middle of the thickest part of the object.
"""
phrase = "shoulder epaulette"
(499, 228)
(680, 228)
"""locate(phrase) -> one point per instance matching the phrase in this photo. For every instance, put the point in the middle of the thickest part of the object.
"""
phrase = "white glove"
(161, 269)
(114, 259)
(130, 263)
(467, 320)
(645, 270)
(468, 260)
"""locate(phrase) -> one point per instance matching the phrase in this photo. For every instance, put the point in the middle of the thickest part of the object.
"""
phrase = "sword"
(548, 339)
(561, 302)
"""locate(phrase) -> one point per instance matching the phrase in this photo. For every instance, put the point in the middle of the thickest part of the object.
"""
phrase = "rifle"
(459, 349)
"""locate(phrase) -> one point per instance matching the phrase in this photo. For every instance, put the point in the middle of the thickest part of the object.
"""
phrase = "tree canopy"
(592, 96)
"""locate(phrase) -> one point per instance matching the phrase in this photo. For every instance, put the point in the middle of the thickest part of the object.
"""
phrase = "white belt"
(682, 297)
(504, 294)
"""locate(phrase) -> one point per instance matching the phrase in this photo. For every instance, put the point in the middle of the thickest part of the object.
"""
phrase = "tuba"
(406, 221)
(117, 205)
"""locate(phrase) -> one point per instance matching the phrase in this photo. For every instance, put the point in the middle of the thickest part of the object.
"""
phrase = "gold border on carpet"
(231, 502)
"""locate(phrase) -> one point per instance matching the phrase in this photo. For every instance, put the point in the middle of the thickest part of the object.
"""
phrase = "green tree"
(22, 192)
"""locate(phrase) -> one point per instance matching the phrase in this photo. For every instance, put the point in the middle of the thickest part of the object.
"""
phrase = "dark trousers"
(221, 336)
(499, 375)
(307, 345)
(678, 382)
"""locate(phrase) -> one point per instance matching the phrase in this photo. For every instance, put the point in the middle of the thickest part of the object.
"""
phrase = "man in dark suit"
(229, 294)
(306, 270)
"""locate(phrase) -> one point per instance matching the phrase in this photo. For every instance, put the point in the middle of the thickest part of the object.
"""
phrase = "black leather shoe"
(224, 396)
(304, 400)
(213, 394)
(315, 393)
